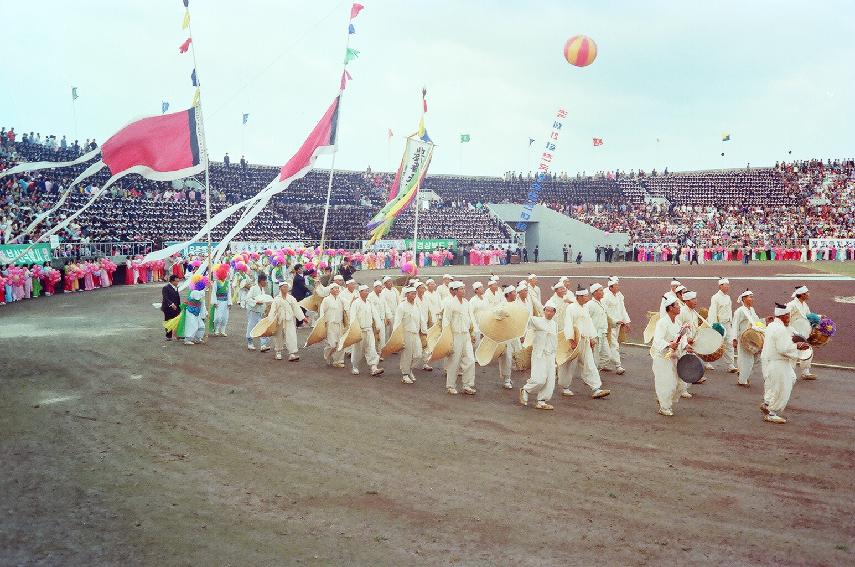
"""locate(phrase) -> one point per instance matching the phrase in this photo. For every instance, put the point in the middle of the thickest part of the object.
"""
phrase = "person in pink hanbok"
(88, 281)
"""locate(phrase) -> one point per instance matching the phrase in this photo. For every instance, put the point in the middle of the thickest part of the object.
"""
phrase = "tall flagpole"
(418, 188)
(332, 164)
(203, 150)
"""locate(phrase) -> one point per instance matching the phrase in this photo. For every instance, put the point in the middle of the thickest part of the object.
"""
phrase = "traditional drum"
(821, 332)
(690, 368)
(805, 354)
(650, 329)
(708, 345)
(801, 327)
(319, 333)
(752, 340)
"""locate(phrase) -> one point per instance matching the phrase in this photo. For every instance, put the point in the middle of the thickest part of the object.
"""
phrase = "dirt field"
(117, 448)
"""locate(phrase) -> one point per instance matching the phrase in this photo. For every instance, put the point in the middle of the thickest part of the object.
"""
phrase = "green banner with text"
(39, 254)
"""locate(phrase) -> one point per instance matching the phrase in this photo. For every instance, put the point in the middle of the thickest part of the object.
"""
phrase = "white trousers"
(462, 359)
(286, 337)
(221, 315)
(194, 327)
(745, 361)
(584, 367)
(542, 381)
(367, 349)
(805, 365)
(616, 345)
(778, 380)
(331, 352)
(252, 319)
(412, 351)
(727, 356)
(604, 353)
(666, 382)
(506, 361)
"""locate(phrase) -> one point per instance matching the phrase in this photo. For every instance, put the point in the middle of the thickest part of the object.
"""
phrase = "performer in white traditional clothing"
(456, 315)
(534, 291)
(333, 308)
(391, 298)
(667, 346)
(798, 308)
(443, 290)
(532, 304)
(506, 359)
(195, 314)
(349, 292)
(382, 314)
(543, 350)
(563, 299)
(613, 301)
(675, 283)
(745, 318)
(408, 314)
(255, 312)
(721, 311)
(435, 300)
(477, 304)
(689, 317)
(286, 312)
(583, 366)
(221, 311)
(604, 355)
(360, 311)
(494, 294)
(778, 356)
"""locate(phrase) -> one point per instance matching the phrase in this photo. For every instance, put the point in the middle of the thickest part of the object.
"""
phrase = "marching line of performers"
(575, 334)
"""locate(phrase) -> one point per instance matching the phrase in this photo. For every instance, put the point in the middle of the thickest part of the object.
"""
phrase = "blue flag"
(351, 29)
(193, 78)
(164, 106)
(245, 117)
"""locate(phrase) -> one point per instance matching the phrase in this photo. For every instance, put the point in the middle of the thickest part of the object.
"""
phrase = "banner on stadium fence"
(431, 244)
(653, 244)
(262, 246)
(192, 248)
(383, 245)
(831, 242)
(39, 254)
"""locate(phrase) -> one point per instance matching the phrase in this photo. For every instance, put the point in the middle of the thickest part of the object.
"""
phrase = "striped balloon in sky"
(580, 50)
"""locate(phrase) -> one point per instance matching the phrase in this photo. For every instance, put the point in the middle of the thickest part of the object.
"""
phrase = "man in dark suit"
(171, 302)
(346, 270)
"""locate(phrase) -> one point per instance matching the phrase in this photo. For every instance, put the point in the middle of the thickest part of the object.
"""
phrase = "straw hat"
(563, 352)
(504, 322)
(319, 333)
(441, 346)
(488, 351)
(353, 335)
(395, 342)
(311, 303)
(267, 327)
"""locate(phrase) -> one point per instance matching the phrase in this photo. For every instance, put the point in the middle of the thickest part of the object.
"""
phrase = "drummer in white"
(721, 311)
(613, 301)
(666, 348)
(583, 366)
(688, 317)
(745, 318)
(778, 356)
(799, 309)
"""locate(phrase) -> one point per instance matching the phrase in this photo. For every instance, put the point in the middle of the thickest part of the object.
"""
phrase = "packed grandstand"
(785, 204)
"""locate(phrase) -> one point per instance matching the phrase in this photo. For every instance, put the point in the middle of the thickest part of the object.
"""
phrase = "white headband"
(800, 290)
(669, 301)
(477, 285)
(363, 287)
(522, 287)
(781, 310)
(744, 294)
(387, 279)
(723, 281)
(456, 285)
(509, 289)
(689, 295)
(558, 286)
(596, 287)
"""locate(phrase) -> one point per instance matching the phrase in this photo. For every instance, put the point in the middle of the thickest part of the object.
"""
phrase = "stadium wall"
(551, 230)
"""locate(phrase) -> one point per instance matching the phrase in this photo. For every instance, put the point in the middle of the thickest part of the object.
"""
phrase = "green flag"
(464, 138)
(350, 55)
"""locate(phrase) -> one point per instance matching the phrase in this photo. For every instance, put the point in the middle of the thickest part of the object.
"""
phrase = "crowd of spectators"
(789, 202)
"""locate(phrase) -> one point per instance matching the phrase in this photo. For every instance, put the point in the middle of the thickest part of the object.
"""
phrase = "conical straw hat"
(395, 343)
(441, 346)
(504, 322)
(319, 333)
(353, 336)
(488, 351)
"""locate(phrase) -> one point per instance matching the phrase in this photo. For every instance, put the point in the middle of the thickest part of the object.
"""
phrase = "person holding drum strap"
(616, 308)
(721, 311)
(675, 284)
(778, 355)
(799, 309)
(745, 318)
(688, 317)
(583, 366)
(668, 344)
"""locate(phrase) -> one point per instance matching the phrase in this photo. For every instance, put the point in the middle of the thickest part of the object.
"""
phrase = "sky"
(778, 76)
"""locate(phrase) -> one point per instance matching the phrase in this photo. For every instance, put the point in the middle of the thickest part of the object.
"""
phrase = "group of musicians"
(574, 334)
(782, 350)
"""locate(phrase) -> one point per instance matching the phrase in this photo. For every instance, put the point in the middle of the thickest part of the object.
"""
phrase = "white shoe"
(189, 343)
(406, 380)
(686, 395)
(523, 397)
(508, 385)
(567, 392)
(469, 391)
(666, 412)
(709, 366)
(278, 356)
(223, 334)
(543, 405)
(600, 393)
(250, 347)
(354, 371)
(774, 418)
(377, 371)
(451, 391)
(620, 370)
(265, 348)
